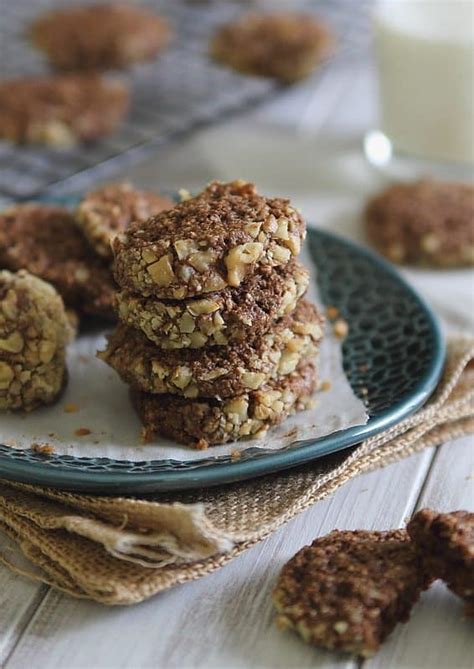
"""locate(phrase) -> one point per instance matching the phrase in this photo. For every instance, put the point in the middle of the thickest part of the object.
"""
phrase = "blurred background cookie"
(283, 46)
(47, 242)
(61, 110)
(110, 210)
(34, 331)
(426, 222)
(100, 37)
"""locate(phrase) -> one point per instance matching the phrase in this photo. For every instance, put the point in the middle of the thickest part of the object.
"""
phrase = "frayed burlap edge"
(122, 550)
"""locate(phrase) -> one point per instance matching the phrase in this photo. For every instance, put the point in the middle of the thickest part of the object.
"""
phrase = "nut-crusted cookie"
(99, 36)
(231, 315)
(348, 590)
(446, 541)
(208, 242)
(110, 210)
(203, 422)
(426, 222)
(283, 46)
(34, 330)
(62, 110)
(47, 242)
(218, 371)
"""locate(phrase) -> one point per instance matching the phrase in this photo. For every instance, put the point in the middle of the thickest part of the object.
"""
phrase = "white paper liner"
(104, 408)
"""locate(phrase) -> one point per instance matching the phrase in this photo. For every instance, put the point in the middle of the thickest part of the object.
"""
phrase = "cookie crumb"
(235, 455)
(71, 408)
(82, 432)
(332, 312)
(184, 194)
(145, 436)
(43, 449)
(202, 445)
(325, 385)
(340, 328)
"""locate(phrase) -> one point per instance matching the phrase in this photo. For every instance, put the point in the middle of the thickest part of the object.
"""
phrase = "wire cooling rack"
(180, 91)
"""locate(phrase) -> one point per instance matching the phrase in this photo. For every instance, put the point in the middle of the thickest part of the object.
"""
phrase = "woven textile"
(124, 550)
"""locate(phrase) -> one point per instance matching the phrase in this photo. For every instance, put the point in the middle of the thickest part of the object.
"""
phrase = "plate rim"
(39, 473)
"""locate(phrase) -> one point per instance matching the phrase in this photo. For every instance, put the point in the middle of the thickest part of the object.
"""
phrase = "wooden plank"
(437, 635)
(226, 619)
(19, 599)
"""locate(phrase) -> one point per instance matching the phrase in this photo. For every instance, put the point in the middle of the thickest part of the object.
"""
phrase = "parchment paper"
(104, 408)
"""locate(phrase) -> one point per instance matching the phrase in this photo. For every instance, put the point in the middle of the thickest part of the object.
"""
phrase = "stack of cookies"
(215, 338)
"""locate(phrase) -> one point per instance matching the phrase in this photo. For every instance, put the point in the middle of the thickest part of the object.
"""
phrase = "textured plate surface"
(393, 356)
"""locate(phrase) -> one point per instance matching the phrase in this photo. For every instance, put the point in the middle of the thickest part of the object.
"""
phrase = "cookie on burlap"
(61, 111)
(231, 315)
(287, 47)
(110, 210)
(446, 541)
(34, 331)
(208, 242)
(46, 241)
(426, 222)
(99, 36)
(217, 371)
(348, 590)
(201, 422)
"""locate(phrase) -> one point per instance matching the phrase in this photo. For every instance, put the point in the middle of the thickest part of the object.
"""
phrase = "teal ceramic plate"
(392, 333)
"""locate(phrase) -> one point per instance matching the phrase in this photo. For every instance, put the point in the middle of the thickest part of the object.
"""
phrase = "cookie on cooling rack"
(34, 331)
(104, 213)
(219, 371)
(208, 242)
(446, 541)
(202, 422)
(61, 111)
(283, 46)
(99, 37)
(348, 590)
(47, 242)
(426, 222)
(231, 315)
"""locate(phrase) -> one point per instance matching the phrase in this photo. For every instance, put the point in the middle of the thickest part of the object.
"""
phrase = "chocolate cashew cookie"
(427, 223)
(104, 213)
(231, 315)
(348, 590)
(284, 46)
(100, 37)
(218, 371)
(62, 110)
(34, 331)
(446, 541)
(203, 422)
(208, 242)
(46, 241)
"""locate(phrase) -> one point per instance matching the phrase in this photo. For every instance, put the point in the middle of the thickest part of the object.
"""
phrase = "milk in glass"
(425, 59)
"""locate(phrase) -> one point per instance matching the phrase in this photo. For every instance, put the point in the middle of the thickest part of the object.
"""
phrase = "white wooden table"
(225, 620)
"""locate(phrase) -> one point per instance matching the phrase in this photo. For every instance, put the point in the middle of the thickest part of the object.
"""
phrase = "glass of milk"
(425, 61)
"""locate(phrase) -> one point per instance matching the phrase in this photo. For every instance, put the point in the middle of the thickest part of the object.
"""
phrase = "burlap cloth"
(124, 550)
